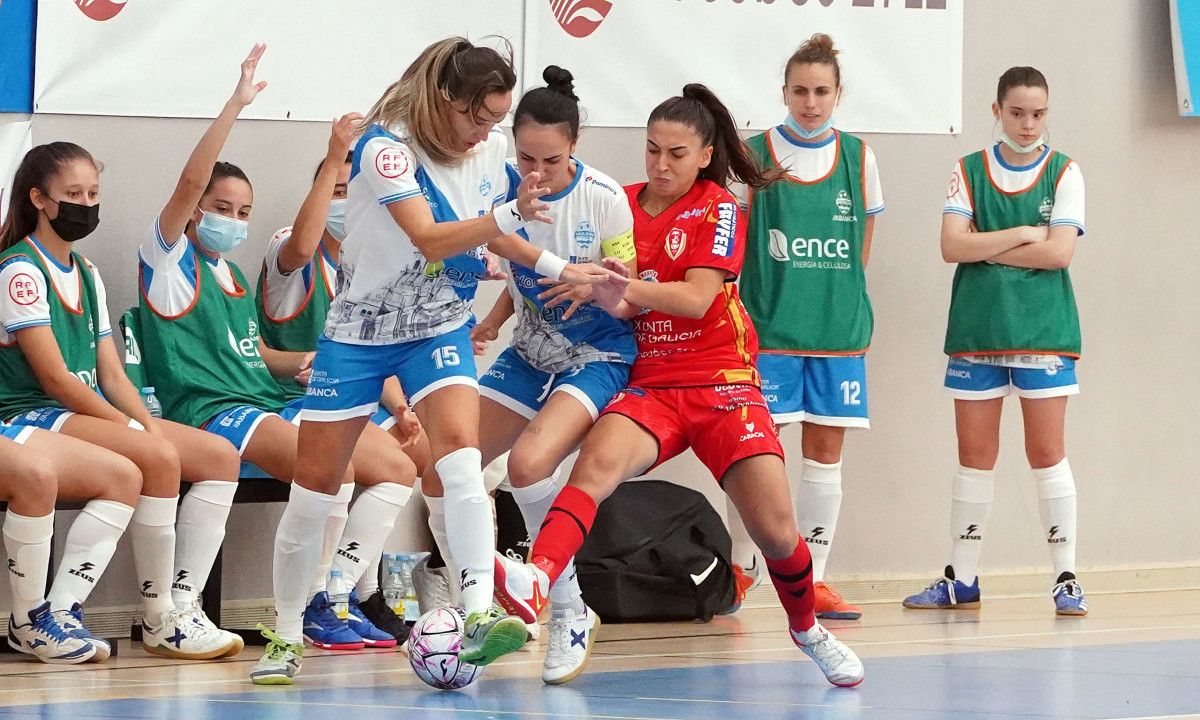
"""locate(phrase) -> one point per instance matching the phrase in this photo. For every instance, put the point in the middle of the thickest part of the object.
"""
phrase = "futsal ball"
(433, 649)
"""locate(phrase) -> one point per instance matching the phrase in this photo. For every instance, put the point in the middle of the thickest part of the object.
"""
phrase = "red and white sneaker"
(522, 589)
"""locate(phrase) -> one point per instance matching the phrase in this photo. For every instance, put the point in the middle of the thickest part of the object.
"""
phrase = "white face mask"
(335, 221)
(1022, 149)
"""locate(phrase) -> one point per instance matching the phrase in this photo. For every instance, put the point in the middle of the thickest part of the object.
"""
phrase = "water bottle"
(412, 607)
(150, 400)
(339, 594)
(394, 591)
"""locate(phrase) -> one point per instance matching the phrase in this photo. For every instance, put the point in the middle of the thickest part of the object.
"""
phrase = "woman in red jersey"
(694, 382)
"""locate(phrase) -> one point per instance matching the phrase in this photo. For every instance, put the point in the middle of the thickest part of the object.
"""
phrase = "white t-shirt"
(284, 294)
(169, 272)
(809, 161)
(387, 293)
(591, 211)
(1068, 194)
(26, 300)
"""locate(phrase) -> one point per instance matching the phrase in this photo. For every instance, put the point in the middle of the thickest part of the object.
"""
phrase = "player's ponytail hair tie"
(560, 80)
(732, 161)
(555, 104)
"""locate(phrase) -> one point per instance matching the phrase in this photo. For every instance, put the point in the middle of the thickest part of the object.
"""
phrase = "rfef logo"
(23, 289)
(391, 163)
(580, 18)
(101, 10)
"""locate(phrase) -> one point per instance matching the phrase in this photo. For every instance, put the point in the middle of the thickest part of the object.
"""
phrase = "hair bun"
(560, 80)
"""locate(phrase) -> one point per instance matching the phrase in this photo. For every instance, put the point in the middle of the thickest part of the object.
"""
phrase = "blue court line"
(1139, 680)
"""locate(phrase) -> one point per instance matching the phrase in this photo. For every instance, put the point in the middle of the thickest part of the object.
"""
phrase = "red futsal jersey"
(704, 228)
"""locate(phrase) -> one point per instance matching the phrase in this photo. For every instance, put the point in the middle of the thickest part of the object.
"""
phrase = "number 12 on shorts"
(851, 389)
(447, 356)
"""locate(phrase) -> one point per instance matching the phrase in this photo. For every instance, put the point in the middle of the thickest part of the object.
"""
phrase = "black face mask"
(75, 221)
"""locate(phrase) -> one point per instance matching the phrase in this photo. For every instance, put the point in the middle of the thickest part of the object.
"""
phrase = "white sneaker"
(45, 639)
(72, 622)
(195, 613)
(571, 638)
(431, 585)
(178, 637)
(522, 589)
(280, 664)
(839, 663)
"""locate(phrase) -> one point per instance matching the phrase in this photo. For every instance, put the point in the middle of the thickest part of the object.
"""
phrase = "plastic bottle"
(150, 400)
(393, 588)
(339, 594)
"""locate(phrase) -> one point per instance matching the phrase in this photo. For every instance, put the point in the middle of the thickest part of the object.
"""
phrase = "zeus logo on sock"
(463, 583)
(970, 534)
(146, 585)
(12, 568)
(82, 571)
(814, 537)
(346, 552)
(1051, 536)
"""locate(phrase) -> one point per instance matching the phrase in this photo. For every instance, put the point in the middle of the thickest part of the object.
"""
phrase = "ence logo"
(580, 18)
(101, 10)
(806, 248)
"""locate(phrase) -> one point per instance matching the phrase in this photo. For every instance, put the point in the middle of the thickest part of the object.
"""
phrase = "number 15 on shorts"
(447, 356)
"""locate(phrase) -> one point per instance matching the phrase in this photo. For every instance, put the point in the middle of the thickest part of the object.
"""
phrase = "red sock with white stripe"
(793, 580)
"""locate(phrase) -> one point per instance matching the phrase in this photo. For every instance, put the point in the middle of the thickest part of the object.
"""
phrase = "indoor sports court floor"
(1135, 656)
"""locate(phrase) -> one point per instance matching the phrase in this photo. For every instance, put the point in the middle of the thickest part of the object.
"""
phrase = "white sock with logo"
(470, 529)
(534, 502)
(199, 532)
(152, 532)
(297, 553)
(1056, 503)
(335, 525)
(437, 527)
(89, 547)
(971, 494)
(27, 542)
(818, 502)
(371, 521)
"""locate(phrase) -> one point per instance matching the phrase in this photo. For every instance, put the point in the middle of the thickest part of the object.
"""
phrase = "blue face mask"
(220, 234)
(807, 134)
(335, 221)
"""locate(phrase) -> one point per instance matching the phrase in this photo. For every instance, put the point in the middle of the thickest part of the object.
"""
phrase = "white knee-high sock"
(368, 582)
(818, 501)
(534, 502)
(470, 529)
(971, 496)
(297, 553)
(152, 531)
(89, 547)
(335, 524)
(371, 521)
(199, 532)
(27, 542)
(1056, 501)
(437, 527)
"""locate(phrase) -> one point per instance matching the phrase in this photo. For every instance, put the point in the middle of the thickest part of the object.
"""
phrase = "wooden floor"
(1135, 656)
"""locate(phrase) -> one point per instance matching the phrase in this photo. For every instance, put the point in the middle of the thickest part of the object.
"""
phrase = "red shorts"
(722, 424)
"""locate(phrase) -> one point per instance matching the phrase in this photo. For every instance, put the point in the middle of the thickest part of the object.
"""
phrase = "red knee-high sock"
(567, 523)
(792, 577)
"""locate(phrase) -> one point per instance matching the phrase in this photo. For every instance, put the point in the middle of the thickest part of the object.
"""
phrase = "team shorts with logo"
(823, 390)
(17, 433)
(52, 419)
(522, 388)
(722, 424)
(237, 424)
(974, 381)
(347, 380)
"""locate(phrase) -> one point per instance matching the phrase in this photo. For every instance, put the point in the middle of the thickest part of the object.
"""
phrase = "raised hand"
(247, 89)
(346, 130)
(529, 202)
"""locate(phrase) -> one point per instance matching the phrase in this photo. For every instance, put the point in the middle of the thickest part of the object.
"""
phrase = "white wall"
(1131, 434)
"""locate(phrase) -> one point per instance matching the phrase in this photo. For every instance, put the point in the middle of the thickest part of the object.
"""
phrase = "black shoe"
(378, 612)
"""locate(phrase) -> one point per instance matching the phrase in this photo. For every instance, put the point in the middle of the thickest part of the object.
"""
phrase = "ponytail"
(732, 160)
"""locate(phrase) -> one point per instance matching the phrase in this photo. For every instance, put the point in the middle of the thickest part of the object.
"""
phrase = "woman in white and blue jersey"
(565, 362)
(426, 193)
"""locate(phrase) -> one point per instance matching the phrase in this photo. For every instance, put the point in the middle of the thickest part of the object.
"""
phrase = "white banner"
(16, 139)
(180, 59)
(901, 59)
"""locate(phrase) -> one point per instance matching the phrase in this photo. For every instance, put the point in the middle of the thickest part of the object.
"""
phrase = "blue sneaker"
(46, 640)
(1068, 596)
(945, 593)
(362, 626)
(71, 621)
(324, 629)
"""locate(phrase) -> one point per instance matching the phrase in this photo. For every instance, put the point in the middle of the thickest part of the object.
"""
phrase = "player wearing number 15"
(809, 242)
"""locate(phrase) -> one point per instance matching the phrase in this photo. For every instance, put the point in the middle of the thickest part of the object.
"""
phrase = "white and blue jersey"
(592, 220)
(387, 292)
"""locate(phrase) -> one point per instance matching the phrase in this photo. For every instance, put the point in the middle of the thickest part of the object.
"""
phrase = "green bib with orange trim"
(75, 329)
(804, 283)
(299, 332)
(1000, 309)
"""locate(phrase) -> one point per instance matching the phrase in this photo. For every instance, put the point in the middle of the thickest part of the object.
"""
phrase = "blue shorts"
(16, 433)
(347, 380)
(825, 390)
(52, 419)
(238, 423)
(974, 381)
(522, 388)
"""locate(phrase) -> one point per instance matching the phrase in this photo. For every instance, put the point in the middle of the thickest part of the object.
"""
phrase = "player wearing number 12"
(809, 242)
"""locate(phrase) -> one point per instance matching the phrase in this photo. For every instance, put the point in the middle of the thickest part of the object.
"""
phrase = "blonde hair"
(450, 70)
